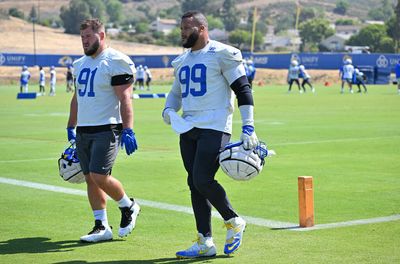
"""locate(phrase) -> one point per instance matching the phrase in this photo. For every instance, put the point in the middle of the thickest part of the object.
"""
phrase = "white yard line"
(188, 210)
(331, 141)
(25, 160)
(153, 204)
(351, 223)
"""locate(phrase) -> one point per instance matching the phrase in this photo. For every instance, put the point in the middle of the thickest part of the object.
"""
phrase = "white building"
(163, 25)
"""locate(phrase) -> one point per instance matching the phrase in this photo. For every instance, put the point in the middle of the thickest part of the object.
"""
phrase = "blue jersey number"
(86, 77)
(194, 80)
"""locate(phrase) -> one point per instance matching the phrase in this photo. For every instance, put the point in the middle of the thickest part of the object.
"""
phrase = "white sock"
(101, 215)
(124, 202)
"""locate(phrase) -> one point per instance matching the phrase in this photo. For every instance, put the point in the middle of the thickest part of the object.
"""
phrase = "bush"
(15, 12)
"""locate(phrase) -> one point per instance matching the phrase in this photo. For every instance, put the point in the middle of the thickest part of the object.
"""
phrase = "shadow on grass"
(39, 245)
(149, 261)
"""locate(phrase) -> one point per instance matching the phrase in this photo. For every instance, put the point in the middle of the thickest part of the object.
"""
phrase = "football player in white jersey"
(346, 74)
(42, 81)
(303, 74)
(293, 75)
(206, 75)
(101, 110)
(148, 77)
(53, 79)
(359, 79)
(24, 79)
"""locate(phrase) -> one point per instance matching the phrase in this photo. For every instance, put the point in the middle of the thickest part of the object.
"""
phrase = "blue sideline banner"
(327, 61)
(46, 60)
(379, 66)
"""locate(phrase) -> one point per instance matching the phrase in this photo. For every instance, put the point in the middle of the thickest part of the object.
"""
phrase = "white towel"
(178, 124)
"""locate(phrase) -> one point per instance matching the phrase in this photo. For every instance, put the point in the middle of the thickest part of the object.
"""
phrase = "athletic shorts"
(348, 80)
(97, 147)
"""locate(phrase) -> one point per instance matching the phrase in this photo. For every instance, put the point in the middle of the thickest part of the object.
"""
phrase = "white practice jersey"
(347, 71)
(303, 73)
(202, 85)
(97, 101)
(294, 72)
(53, 77)
(42, 77)
(148, 73)
(25, 76)
(140, 73)
(358, 73)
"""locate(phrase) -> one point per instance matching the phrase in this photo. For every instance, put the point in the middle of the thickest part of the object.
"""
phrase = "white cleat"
(128, 219)
(234, 234)
(203, 247)
(99, 233)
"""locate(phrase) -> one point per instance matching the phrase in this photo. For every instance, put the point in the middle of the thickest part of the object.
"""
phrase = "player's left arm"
(234, 72)
(128, 139)
(124, 94)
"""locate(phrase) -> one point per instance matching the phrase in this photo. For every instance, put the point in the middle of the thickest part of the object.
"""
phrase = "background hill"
(17, 37)
(51, 8)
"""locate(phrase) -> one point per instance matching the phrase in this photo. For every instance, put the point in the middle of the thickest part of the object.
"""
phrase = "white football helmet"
(241, 164)
(69, 166)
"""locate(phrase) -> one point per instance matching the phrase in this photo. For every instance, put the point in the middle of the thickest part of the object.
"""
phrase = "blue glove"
(128, 140)
(71, 134)
(249, 137)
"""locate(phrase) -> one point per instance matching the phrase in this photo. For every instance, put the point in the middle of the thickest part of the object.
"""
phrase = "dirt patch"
(10, 75)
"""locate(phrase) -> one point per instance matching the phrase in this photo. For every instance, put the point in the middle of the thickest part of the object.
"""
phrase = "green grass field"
(349, 143)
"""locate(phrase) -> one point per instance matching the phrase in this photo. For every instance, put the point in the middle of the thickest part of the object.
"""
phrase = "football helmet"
(69, 166)
(241, 164)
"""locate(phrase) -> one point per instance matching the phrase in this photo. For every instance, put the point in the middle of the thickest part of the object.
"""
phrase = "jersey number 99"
(195, 76)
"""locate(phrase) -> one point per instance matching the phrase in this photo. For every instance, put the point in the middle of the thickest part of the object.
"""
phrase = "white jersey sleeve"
(230, 60)
(174, 98)
(121, 64)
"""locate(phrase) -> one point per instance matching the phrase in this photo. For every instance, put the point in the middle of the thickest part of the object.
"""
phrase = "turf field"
(349, 143)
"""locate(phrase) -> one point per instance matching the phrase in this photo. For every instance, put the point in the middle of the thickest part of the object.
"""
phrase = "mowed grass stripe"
(183, 209)
(153, 204)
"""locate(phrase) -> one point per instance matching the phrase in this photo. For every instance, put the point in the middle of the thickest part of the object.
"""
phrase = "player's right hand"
(71, 134)
(165, 115)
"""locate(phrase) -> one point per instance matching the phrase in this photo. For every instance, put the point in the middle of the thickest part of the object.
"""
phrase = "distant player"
(53, 80)
(397, 71)
(42, 81)
(303, 74)
(206, 75)
(140, 77)
(346, 74)
(359, 79)
(24, 79)
(293, 75)
(148, 77)
(70, 79)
